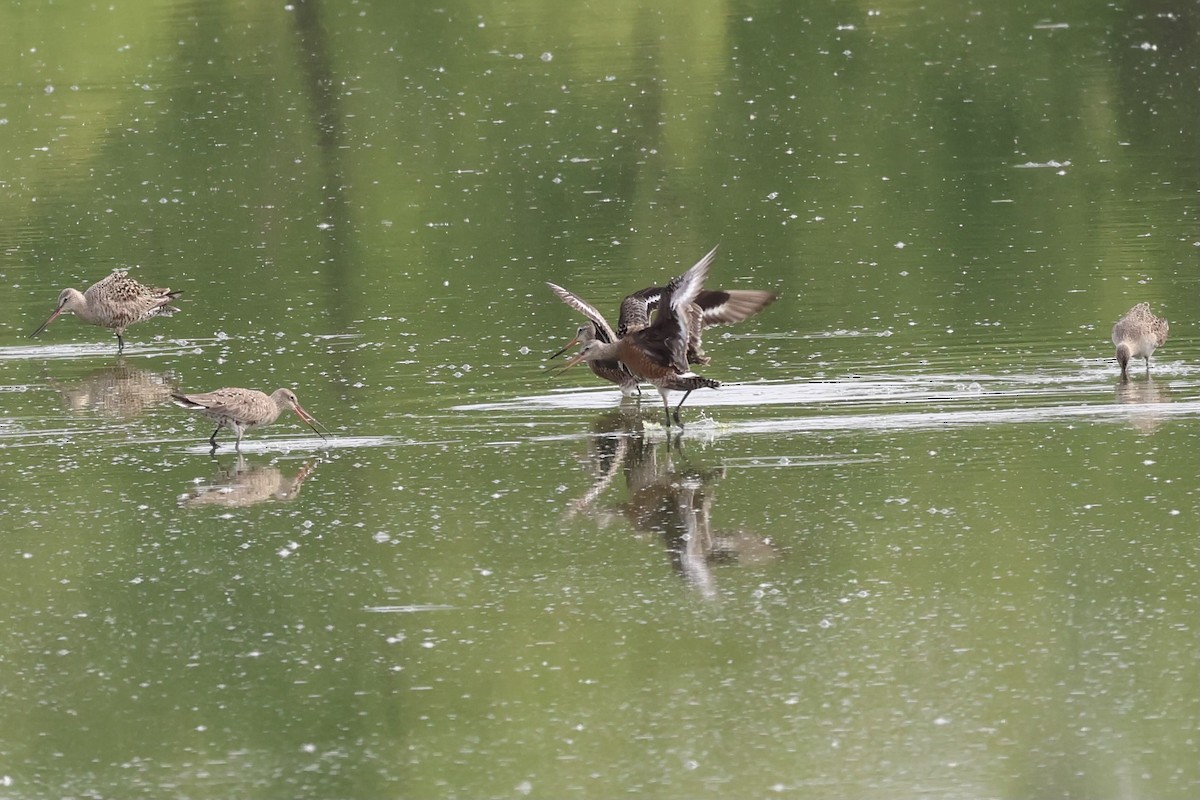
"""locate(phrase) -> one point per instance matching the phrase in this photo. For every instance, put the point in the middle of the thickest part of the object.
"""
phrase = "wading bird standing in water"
(243, 409)
(115, 303)
(657, 353)
(719, 307)
(1137, 335)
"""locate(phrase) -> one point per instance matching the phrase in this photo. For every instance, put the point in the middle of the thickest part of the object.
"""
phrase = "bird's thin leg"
(120, 343)
(213, 439)
(685, 397)
(666, 410)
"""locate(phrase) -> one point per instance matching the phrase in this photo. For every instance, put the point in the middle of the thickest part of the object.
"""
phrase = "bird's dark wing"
(604, 331)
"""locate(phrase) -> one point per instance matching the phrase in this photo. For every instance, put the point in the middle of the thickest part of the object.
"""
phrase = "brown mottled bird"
(115, 303)
(1137, 335)
(719, 307)
(243, 409)
(659, 352)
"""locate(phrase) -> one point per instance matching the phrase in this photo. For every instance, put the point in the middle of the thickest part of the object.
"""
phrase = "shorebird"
(243, 409)
(1137, 335)
(115, 303)
(719, 307)
(657, 353)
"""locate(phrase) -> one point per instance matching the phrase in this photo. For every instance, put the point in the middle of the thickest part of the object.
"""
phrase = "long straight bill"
(311, 420)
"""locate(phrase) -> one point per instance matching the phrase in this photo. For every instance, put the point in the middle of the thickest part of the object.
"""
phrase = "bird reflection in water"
(248, 484)
(666, 497)
(118, 391)
(1144, 395)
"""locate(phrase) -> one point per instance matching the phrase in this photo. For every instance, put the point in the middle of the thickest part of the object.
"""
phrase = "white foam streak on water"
(899, 401)
(407, 609)
(784, 462)
(106, 348)
(92, 439)
(311, 444)
(941, 419)
(877, 390)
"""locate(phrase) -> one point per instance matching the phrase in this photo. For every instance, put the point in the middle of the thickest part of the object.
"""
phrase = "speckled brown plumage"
(243, 409)
(1137, 335)
(115, 303)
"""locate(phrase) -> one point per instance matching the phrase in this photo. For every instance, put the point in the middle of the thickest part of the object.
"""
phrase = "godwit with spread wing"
(115, 303)
(657, 353)
(711, 307)
(1137, 335)
(719, 307)
(243, 409)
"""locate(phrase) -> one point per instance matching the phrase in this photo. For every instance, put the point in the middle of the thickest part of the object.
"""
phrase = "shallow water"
(921, 542)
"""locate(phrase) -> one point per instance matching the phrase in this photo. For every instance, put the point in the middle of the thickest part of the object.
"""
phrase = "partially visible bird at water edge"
(243, 409)
(713, 307)
(657, 353)
(1137, 335)
(116, 302)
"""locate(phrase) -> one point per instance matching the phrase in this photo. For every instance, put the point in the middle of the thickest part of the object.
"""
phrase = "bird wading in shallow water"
(243, 409)
(115, 303)
(657, 353)
(1137, 335)
(719, 307)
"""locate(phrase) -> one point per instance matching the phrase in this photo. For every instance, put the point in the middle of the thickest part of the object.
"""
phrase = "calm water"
(922, 543)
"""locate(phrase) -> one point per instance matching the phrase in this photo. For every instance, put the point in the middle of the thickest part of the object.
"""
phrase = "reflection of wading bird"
(118, 391)
(1136, 335)
(246, 486)
(677, 505)
(607, 448)
(672, 501)
(115, 303)
(243, 409)
(1144, 396)
(659, 351)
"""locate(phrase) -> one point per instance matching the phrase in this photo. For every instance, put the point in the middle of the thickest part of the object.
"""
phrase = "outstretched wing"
(677, 315)
(726, 306)
(604, 331)
(684, 290)
(721, 307)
